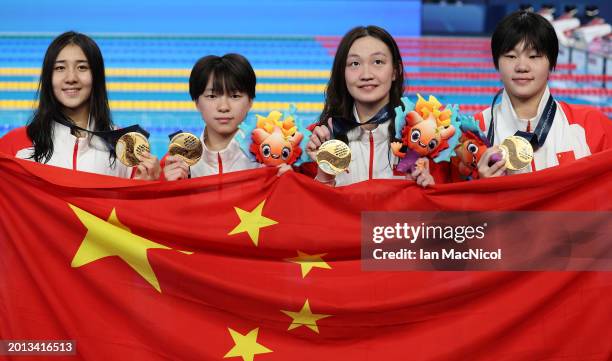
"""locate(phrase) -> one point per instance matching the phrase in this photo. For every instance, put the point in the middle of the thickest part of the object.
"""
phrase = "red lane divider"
(465, 55)
(420, 39)
(474, 108)
(453, 46)
(461, 75)
(493, 89)
(470, 64)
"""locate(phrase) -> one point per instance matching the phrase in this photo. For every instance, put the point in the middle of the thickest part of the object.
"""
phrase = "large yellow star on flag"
(309, 261)
(304, 317)
(246, 346)
(251, 222)
(112, 238)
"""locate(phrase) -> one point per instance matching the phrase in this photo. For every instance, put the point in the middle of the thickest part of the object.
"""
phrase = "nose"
(71, 76)
(365, 72)
(223, 104)
(522, 64)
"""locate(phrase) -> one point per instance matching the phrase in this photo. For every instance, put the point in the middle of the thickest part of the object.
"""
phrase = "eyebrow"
(78, 61)
(375, 53)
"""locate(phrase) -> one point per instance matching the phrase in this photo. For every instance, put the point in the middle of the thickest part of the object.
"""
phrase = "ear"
(259, 135)
(447, 132)
(413, 118)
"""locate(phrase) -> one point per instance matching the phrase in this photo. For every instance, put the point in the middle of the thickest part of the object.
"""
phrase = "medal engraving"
(130, 145)
(334, 157)
(187, 147)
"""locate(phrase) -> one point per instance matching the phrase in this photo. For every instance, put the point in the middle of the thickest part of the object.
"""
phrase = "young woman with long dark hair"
(72, 93)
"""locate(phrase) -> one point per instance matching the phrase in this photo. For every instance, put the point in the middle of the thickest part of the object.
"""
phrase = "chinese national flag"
(249, 266)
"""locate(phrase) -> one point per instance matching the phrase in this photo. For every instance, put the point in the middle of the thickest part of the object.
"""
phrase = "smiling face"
(424, 137)
(369, 72)
(276, 149)
(72, 79)
(524, 72)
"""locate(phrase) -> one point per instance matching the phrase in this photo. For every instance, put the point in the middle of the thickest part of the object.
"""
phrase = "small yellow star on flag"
(305, 317)
(251, 222)
(246, 346)
(309, 261)
(112, 238)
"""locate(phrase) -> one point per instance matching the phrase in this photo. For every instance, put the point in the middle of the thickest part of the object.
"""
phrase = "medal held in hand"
(334, 157)
(516, 151)
(186, 146)
(129, 145)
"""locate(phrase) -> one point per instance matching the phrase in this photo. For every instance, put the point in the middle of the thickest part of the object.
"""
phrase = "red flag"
(249, 266)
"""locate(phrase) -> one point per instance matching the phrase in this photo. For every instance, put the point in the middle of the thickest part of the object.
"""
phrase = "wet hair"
(231, 73)
(523, 26)
(40, 127)
(338, 100)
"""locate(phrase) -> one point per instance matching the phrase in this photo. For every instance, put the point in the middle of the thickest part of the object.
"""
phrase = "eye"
(59, 68)
(472, 148)
(210, 96)
(510, 56)
(236, 95)
(266, 150)
(286, 153)
(415, 135)
(379, 62)
(82, 68)
(353, 64)
(432, 144)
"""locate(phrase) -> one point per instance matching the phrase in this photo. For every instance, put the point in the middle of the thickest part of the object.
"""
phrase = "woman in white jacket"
(72, 101)
(366, 84)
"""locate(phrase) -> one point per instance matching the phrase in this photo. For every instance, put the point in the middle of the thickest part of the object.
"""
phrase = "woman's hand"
(486, 170)
(148, 168)
(175, 168)
(320, 135)
(421, 174)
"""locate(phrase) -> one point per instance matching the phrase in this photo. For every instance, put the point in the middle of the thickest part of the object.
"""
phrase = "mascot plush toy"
(426, 131)
(472, 145)
(276, 141)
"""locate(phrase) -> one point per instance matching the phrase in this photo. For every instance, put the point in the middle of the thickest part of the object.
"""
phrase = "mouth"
(275, 156)
(367, 87)
(421, 144)
(224, 120)
(71, 92)
(522, 81)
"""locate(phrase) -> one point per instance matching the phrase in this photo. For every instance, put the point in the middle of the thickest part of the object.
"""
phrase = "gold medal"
(334, 157)
(186, 146)
(129, 145)
(517, 152)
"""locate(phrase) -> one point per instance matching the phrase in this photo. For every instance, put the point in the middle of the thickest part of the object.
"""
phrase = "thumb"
(426, 163)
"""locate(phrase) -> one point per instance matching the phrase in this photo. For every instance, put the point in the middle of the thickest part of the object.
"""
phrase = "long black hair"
(338, 100)
(40, 127)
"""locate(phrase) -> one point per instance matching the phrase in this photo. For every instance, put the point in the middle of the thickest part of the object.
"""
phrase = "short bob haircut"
(524, 26)
(231, 73)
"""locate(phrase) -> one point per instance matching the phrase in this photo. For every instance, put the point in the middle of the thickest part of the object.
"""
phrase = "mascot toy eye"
(276, 141)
